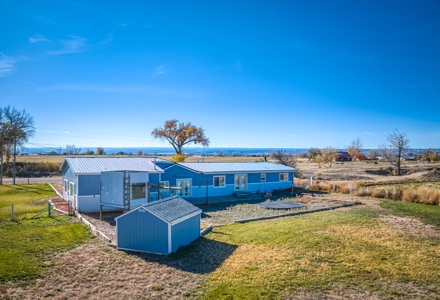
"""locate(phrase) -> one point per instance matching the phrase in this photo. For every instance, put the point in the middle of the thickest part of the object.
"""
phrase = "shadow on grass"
(201, 257)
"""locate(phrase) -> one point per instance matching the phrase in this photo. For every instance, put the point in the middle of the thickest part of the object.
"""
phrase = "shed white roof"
(96, 165)
(237, 167)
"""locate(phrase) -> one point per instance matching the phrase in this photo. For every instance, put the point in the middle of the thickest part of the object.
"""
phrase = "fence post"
(386, 193)
(48, 209)
(351, 188)
(12, 215)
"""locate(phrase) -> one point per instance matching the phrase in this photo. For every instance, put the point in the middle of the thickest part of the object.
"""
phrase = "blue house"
(94, 182)
(197, 180)
(158, 227)
(82, 178)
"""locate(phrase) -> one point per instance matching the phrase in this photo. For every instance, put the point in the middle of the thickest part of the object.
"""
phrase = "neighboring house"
(82, 177)
(344, 156)
(158, 227)
(199, 180)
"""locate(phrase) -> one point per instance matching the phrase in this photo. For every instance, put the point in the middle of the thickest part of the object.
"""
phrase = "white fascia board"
(189, 169)
(170, 248)
(128, 212)
(177, 221)
(248, 172)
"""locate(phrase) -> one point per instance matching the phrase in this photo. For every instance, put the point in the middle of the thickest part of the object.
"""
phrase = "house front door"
(185, 184)
(240, 182)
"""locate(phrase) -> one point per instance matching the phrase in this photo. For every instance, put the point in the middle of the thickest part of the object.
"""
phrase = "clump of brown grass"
(414, 169)
(378, 194)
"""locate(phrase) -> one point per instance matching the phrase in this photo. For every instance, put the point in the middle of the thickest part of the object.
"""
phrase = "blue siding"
(184, 233)
(68, 174)
(142, 231)
(89, 185)
(178, 172)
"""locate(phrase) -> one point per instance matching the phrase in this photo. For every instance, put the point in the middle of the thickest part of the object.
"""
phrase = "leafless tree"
(99, 151)
(329, 155)
(371, 154)
(180, 134)
(20, 127)
(72, 150)
(398, 146)
(284, 158)
(313, 153)
(355, 147)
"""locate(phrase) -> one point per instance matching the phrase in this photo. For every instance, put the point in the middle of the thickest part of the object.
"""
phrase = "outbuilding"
(159, 227)
(82, 177)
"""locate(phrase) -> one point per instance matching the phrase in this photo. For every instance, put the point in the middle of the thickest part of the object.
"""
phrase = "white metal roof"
(96, 165)
(237, 167)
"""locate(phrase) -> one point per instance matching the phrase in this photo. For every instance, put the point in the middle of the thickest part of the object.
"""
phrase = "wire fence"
(16, 213)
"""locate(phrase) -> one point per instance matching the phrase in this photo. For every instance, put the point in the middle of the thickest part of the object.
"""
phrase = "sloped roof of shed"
(95, 165)
(237, 167)
(170, 210)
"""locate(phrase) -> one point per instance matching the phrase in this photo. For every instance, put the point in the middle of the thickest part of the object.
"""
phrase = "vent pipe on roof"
(265, 159)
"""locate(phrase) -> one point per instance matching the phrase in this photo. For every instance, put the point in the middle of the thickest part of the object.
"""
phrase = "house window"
(263, 177)
(66, 185)
(72, 189)
(219, 181)
(284, 176)
(137, 190)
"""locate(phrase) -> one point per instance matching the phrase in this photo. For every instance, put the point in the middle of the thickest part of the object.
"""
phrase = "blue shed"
(159, 227)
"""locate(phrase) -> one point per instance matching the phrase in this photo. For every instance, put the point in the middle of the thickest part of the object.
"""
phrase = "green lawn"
(313, 253)
(26, 246)
(429, 214)
(26, 199)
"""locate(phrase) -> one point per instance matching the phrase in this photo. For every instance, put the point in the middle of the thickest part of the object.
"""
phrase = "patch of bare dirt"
(58, 186)
(97, 271)
(411, 226)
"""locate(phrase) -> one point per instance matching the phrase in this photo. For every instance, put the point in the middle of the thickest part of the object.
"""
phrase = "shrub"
(178, 157)
(414, 169)
(359, 156)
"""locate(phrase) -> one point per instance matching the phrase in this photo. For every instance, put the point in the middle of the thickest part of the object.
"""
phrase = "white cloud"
(160, 70)
(369, 133)
(7, 66)
(106, 41)
(66, 132)
(38, 38)
(76, 44)
(292, 134)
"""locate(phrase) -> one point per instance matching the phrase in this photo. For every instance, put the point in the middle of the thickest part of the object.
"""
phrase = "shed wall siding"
(142, 231)
(89, 185)
(70, 177)
(184, 233)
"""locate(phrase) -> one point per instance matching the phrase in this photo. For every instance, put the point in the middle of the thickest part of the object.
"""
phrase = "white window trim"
(261, 175)
(190, 186)
(72, 193)
(247, 183)
(220, 186)
(286, 174)
(66, 186)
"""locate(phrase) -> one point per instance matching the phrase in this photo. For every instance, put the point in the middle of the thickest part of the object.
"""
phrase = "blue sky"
(282, 74)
